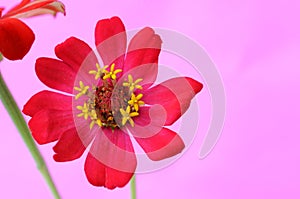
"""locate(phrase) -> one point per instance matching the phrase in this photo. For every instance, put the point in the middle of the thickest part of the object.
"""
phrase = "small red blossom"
(16, 38)
(106, 105)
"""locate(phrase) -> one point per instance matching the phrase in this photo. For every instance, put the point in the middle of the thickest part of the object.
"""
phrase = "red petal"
(142, 57)
(144, 48)
(111, 161)
(55, 74)
(174, 95)
(47, 125)
(47, 100)
(1, 9)
(74, 52)
(146, 72)
(149, 122)
(164, 144)
(16, 38)
(69, 147)
(111, 41)
(20, 5)
(95, 171)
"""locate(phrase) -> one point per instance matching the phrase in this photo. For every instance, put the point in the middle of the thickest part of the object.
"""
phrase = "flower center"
(109, 104)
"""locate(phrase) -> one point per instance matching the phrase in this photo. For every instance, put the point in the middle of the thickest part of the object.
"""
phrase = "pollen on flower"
(136, 101)
(99, 72)
(133, 84)
(87, 112)
(95, 119)
(112, 74)
(84, 111)
(83, 90)
(127, 115)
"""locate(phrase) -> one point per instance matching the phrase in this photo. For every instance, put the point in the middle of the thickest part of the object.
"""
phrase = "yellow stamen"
(133, 84)
(98, 73)
(95, 119)
(127, 116)
(84, 111)
(83, 90)
(112, 74)
(135, 101)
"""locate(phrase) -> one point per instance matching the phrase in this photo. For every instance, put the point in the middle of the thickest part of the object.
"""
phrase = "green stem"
(16, 115)
(133, 187)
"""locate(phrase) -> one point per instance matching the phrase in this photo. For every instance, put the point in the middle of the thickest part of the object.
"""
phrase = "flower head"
(108, 103)
(16, 37)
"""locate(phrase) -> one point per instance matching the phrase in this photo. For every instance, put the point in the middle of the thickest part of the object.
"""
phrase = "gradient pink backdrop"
(255, 45)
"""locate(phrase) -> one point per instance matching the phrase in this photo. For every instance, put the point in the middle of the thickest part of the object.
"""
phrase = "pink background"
(255, 45)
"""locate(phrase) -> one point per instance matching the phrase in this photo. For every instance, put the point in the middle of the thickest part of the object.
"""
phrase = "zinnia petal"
(163, 144)
(47, 125)
(47, 100)
(150, 121)
(55, 74)
(111, 41)
(1, 9)
(99, 174)
(174, 95)
(144, 48)
(75, 53)
(69, 147)
(16, 38)
(111, 161)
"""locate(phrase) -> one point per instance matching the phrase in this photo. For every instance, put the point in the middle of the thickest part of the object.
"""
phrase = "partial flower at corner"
(16, 38)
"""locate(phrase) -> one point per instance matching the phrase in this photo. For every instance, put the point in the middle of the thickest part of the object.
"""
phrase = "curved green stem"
(16, 115)
(133, 187)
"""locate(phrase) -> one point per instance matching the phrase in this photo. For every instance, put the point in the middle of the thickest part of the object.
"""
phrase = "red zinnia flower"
(16, 37)
(109, 104)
